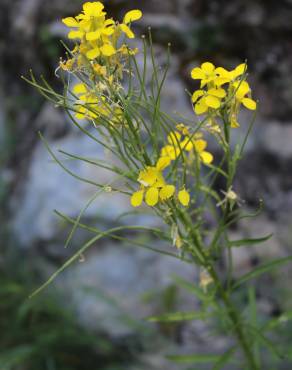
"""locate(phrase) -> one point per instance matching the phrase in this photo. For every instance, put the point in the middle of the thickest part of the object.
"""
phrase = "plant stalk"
(236, 320)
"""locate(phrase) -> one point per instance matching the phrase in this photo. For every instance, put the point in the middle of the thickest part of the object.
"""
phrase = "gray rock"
(276, 138)
(260, 227)
(49, 187)
(25, 17)
(108, 289)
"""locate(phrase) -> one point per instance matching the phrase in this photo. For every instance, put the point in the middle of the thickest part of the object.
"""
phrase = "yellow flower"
(151, 176)
(92, 10)
(242, 95)
(236, 91)
(99, 69)
(173, 148)
(204, 100)
(210, 75)
(206, 73)
(125, 50)
(198, 146)
(153, 185)
(89, 105)
(183, 129)
(176, 144)
(241, 90)
(68, 65)
(99, 36)
(85, 22)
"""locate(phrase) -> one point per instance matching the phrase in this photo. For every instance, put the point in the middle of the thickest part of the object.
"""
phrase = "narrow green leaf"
(254, 320)
(82, 250)
(224, 359)
(178, 316)
(191, 287)
(127, 240)
(281, 320)
(195, 359)
(246, 242)
(267, 342)
(261, 270)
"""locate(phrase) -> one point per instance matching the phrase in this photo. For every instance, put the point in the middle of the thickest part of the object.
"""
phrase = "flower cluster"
(220, 89)
(182, 140)
(92, 106)
(98, 38)
(154, 187)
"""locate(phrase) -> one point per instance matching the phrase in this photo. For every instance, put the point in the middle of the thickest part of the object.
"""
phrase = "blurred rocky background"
(92, 318)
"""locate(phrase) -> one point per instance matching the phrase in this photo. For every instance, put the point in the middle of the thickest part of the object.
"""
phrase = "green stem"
(231, 310)
(236, 320)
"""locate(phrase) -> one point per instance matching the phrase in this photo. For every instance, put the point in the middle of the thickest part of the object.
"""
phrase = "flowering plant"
(165, 162)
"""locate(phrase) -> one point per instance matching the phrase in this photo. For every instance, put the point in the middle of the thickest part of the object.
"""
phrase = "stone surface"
(110, 287)
(49, 187)
(276, 139)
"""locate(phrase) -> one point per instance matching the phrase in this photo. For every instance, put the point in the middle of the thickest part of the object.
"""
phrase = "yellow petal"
(93, 53)
(169, 151)
(80, 114)
(91, 36)
(151, 196)
(242, 88)
(206, 157)
(137, 198)
(223, 73)
(148, 177)
(234, 124)
(93, 9)
(132, 15)
(127, 31)
(249, 103)
(166, 192)
(208, 67)
(219, 81)
(239, 70)
(75, 35)
(184, 197)
(219, 93)
(174, 138)
(80, 89)
(182, 128)
(109, 22)
(200, 145)
(196, 95)
(100, 70)
(212, 102)
(197, 73)
(70, 22)
(108, 31)
(162, 163)
(160, 181)
(201, 107)
(108, 50)
(187, 144)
